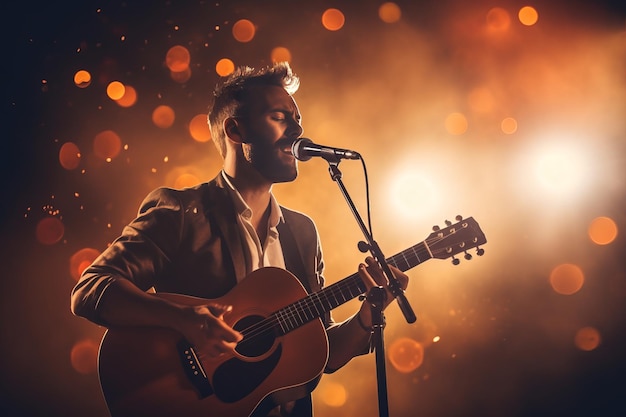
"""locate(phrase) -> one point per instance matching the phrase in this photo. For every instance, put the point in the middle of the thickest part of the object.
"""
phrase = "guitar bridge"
(193, 369)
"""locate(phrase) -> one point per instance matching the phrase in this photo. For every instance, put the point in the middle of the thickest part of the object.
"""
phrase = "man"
(203, 241)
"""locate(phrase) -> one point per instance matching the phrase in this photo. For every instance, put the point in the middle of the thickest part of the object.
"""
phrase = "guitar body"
(154, 372)
(151, 371)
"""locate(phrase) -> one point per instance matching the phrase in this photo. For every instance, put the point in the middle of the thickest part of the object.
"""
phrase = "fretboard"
(317, 304)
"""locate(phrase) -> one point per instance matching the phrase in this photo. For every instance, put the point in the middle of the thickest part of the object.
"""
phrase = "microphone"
(304, 149)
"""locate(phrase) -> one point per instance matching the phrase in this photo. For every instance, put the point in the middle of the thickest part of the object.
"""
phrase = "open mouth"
(285, 145)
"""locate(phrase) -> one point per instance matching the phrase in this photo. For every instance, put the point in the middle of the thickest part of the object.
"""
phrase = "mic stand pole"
(377, 300)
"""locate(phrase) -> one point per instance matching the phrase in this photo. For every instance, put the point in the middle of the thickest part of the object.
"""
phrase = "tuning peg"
(467, 256)
(363, 246)
(480, 251)
(455, 261)
(436, 228)
(458, 217)
(448, 223)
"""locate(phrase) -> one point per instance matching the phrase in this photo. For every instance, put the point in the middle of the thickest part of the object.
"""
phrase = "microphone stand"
(376, 296)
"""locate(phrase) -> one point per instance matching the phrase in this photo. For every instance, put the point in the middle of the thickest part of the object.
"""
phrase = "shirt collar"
(242, 208)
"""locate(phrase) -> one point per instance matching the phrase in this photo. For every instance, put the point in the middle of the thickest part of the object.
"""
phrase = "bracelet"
(362, 325)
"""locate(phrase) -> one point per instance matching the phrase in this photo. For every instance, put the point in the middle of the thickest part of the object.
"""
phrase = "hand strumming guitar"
(205, 329)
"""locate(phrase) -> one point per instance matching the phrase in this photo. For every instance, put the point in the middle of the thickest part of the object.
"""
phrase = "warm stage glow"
(558, 171)
(480, 109)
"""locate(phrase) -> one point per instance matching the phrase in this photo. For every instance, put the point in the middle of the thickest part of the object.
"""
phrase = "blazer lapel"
(222, 209)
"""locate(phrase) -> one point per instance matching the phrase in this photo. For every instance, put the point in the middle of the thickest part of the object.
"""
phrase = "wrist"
(362, 325)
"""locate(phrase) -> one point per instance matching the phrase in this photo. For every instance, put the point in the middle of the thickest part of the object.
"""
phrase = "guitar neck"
(317, 304)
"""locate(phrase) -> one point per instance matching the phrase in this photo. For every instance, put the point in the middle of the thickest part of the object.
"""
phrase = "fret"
(315, 305)
(442, 244)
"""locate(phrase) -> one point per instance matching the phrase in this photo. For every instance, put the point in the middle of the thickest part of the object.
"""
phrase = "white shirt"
(257, 254)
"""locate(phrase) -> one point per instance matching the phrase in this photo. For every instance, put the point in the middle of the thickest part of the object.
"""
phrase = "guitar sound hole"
(258, 338)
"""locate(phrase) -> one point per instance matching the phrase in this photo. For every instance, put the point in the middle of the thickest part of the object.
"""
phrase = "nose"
(295, 129)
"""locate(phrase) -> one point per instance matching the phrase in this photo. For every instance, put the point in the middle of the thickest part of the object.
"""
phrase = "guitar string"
(308, 303)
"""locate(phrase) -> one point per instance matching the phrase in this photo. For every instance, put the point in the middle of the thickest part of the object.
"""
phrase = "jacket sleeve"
(143, 250)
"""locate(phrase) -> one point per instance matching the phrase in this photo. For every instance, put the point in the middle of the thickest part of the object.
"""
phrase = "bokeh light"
(481, 100)
(333, 394)
(69, 156)
(224, 67)
(82, 79)
(413, 193)
(129, 98)
(244, 30)
(508, 125)
(456, 123)
(280, 54)
(602, 230)
(528, 15)
(49, 230)
(107, 145)
(587, 339)
(115, 90)
(181, 77)
(199, 128)
(80, 260)
(567, 279)
(406, 354)
(177, 58)
(163, 116)
(186, 180)
(333, 19)
(389, 12)
(561, 169)
(498, 20)
(84, 356)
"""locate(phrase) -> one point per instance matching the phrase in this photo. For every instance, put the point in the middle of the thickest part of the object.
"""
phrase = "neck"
(253, 187)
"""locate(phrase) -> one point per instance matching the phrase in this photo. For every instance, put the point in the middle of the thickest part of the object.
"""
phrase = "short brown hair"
(229, 97)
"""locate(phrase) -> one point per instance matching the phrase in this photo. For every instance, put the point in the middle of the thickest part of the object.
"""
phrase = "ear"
(231, 129)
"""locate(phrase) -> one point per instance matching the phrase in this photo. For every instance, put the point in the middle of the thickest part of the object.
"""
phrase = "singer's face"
(270, 125)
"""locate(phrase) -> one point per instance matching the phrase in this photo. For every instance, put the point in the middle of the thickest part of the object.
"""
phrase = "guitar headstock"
(456, 238)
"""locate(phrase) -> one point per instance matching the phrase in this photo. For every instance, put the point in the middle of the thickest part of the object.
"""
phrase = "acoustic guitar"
(153, 371)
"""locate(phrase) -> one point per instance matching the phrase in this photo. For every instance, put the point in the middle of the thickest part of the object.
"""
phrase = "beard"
(272, 163)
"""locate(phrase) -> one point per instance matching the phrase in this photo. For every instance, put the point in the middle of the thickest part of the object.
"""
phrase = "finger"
(366, 277)
(218, 310)
(375, 271)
